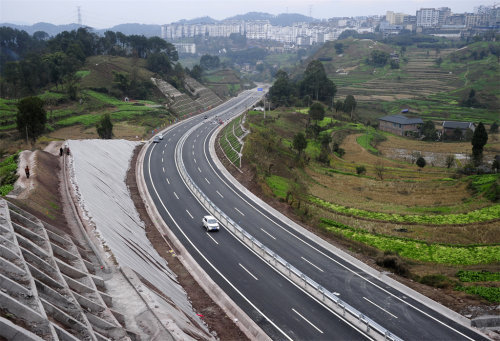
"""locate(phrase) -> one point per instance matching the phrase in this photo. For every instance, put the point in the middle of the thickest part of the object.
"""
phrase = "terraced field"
(419, 77)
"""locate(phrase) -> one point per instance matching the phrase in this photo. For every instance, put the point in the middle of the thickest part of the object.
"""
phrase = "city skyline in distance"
(108, 13)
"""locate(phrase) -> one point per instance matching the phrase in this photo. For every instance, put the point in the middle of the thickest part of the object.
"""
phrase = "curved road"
(279, 307)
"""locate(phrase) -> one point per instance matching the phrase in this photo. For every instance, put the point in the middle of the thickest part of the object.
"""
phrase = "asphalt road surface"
(277, 305)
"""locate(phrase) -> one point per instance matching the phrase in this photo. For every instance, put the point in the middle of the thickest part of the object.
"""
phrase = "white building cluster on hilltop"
(438, 21)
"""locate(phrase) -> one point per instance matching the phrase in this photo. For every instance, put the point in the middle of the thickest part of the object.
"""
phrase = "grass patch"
(478, 276)
(491, 294)
(481, 215)
(279, 185)
(418, 250)
(8, 176)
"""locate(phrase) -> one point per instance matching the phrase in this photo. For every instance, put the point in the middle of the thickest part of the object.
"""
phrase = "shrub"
(436, 280)
(360, 170)
(421, 162)
(478, 276)
(391, 260)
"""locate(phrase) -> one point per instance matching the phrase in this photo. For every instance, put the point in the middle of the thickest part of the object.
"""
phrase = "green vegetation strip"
(418, 250)
(8, 176)
(491, 294)
(480, 215)
(478, 276)
(364, 141)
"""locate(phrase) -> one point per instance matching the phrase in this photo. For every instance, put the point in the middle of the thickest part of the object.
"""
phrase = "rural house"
(400, 124)
(449, 127)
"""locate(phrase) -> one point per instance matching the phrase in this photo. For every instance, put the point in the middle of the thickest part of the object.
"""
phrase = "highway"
(281, 308)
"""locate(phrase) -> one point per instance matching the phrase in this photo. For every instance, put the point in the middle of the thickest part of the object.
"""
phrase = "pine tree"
(105, 127)
(478, 141)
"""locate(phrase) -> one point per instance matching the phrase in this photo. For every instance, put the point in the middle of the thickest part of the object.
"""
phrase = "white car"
(160, 136)
(210, 223)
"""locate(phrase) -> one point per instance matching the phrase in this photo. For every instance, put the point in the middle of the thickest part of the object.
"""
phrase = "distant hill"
(201, 20)
(284, 19)
(53, 30)
(50, 29)
(139, 29)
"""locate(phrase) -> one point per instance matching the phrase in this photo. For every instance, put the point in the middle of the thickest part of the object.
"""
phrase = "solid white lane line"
(219, 194)
(163, 169)
(251, 274)
(239, 211)
(296, 312)
(176, 196)
(168, 182)
(317, 267)
(207, 180)
(189, 214)
(208, 234)
(199, 170)
(376, 305)
(270, 235)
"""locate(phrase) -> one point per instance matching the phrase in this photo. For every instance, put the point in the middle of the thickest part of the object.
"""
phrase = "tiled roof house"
(400, 124)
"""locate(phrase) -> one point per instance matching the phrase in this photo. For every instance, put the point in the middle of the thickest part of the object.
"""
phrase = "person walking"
(60, 151)
(27, 171)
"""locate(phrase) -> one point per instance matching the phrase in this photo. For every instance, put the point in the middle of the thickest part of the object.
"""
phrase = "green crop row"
(481, 215)
(418, 250)
(478, 276)
(491, 294)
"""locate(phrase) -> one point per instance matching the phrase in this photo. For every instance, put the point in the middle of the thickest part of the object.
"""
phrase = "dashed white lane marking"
(212, 238)
(169, 139)
(193, 152)
(376, 305)
(163, 169)
(199, 170)
(219, 194)
(163, 152)
(317, 267)
(168, 182)
(194, 141)
(239, 211)
(161, 160)
(176, 196)
(194, 160)
(193, 146)
(296, 312)
(270, 235)
(189, 214)
(251, 274)
(207, 180)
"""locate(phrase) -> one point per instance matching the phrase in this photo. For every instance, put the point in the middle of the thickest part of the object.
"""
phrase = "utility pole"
(79, 16)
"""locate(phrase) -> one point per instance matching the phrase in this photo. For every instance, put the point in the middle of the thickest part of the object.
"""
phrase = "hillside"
(97, 95)
(431, 83)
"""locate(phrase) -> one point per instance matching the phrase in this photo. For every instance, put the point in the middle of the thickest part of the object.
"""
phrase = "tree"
(105, 127)
(429, 131)
(339, 105)
(317, 112)
(325, 139)
(421, 162)
(494, 128)
(378, 58)
(196, 72)
(380, 170)
(349, 104)
(31, 117)
(208, 62)
(450, 161)
(316, 82)
(299, 142)
(281, 90)
(478, 141)
(339, 48)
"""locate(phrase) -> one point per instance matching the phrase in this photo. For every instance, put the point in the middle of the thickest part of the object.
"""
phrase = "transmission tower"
(310, 10)
(79, 16)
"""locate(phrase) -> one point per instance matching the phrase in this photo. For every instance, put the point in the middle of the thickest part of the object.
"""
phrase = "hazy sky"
(107, 13)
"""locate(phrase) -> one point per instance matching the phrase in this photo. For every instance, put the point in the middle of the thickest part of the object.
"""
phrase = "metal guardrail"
(285, 268)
